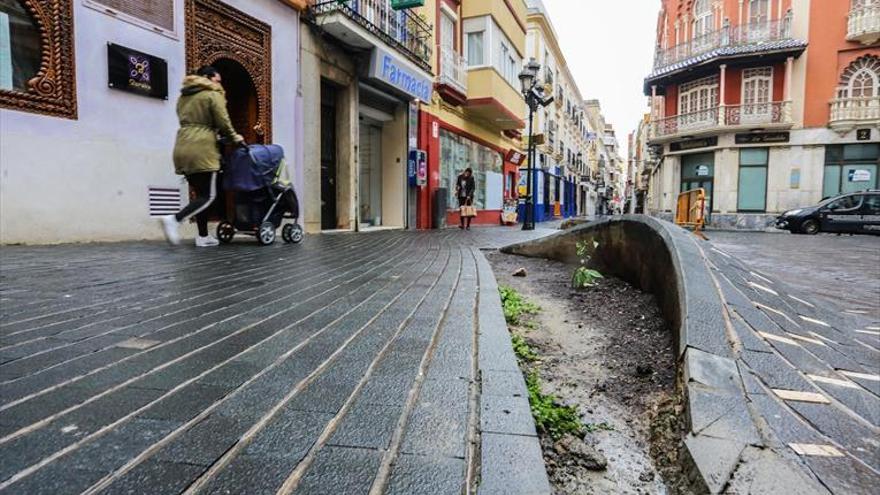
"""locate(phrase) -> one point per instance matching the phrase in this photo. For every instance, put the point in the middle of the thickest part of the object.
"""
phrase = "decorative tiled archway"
(216, 31)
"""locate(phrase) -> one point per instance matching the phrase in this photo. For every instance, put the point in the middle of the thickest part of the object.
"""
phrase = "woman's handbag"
(468, 210)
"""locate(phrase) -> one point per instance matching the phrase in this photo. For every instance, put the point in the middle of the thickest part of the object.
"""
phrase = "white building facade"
(85, 150)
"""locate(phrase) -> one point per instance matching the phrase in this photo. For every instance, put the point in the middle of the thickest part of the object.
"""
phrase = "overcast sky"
(609, 49)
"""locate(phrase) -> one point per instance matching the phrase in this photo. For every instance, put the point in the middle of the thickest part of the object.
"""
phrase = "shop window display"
(458, 153)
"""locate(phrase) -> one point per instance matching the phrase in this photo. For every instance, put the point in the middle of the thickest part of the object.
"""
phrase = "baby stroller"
(263, 197)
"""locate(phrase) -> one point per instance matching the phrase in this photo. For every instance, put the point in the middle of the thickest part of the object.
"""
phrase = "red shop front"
(450, 150)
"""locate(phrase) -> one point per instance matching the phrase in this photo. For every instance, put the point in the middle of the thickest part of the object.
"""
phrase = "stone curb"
(723, 439)
(511, 459)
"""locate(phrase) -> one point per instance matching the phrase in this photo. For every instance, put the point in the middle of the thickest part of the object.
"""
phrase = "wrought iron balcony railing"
(720, 118)
(855, 110)
(777, 112)
(453, 69)
(401, 29)
(727, 36)
(864, 23)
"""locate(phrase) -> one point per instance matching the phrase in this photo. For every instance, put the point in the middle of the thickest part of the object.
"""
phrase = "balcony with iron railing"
(402, 30)
(453, 70)
(775, 114)
(757, 34)
(864, 22)
(848, 113)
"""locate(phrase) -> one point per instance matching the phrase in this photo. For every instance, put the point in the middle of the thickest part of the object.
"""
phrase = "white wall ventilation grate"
(164, 200)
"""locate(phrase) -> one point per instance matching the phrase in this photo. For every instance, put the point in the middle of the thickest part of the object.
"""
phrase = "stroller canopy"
(253, 168)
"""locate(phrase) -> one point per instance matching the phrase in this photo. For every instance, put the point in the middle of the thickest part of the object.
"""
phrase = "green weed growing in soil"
(584, 277)
(515, 305)
(551, 417)
(522, 349)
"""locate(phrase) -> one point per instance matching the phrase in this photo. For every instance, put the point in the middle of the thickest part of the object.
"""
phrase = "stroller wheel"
(266, 234)
(225, 232)
(292, 233)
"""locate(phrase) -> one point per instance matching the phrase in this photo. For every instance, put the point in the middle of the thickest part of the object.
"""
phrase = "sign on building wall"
(401, 75)
(136, 72)
(860, 175)
(406, 4)
(515, 157)
(762, 138)
(691, 144)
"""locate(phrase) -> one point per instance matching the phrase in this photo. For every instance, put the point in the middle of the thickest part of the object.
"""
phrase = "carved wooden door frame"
(217, 31)
(52, 91)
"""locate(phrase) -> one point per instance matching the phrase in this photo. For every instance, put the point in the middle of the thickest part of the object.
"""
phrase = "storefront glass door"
(370, 177)
(698, 171)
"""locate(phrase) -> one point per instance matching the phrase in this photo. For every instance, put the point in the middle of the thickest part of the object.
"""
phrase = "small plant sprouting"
(583, 276)
(550, 416)
(515, 305)
(522, 349)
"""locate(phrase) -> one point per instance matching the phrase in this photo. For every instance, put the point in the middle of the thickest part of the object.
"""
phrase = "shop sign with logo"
(136, 72)
(860, 175)
(406, 4)
(691, 144)
(400, 74)
(515, 157)
(762, 138)
(702, 170)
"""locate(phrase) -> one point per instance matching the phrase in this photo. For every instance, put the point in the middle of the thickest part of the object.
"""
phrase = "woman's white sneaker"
(206, 241)
(170, 227)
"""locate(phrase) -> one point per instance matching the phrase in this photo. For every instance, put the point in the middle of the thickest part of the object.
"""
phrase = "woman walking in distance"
(203, 116)
(464, 189)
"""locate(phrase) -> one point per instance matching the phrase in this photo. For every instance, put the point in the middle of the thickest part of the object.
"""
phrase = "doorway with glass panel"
(757, 96)
(370, 173)
(698, 172)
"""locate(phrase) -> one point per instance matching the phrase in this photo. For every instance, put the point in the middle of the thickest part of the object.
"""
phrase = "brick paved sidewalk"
(345, 364)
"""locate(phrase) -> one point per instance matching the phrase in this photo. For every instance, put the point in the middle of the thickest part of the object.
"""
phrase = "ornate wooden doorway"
(240, 47)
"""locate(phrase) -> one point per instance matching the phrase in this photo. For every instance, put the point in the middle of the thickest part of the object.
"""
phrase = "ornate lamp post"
(533, 94)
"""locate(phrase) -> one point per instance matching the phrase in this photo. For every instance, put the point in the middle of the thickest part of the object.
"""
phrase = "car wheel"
(810, 227)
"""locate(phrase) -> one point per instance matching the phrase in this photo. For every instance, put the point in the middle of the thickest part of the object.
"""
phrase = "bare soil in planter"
(608, 350)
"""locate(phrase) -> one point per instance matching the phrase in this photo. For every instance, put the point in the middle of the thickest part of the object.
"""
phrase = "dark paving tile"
(113, 449)
(437, 425)
(155, 477)
(43, 406)
(368, 426)
(842, 475)
(288, 436)
(24, 451)
(774, 371)
(509, 415)
(863, 403)
(58, 478)
(205, 442)
(512, 462)
(346, 470)
(185, 404)
(787, 427)
(423, 475)
(857, 438)
(250, 474)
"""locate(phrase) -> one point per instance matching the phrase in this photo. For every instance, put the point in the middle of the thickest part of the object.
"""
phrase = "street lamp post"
(534, 97)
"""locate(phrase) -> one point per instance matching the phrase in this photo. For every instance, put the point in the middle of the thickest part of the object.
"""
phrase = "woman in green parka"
(203, 116)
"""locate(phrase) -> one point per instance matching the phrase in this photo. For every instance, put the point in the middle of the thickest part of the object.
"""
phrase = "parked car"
(850, 213)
